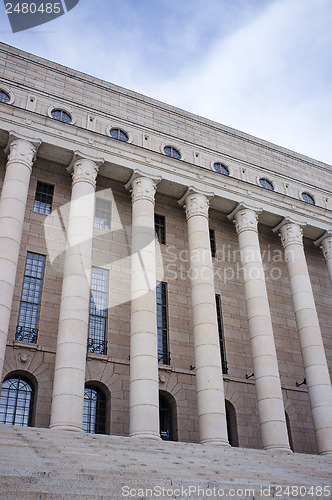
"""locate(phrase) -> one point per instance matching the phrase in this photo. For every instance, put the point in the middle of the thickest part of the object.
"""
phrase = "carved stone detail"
(143, 188)
(326, 247)
(21, 151)
(197, 204)
(290, 234)
(23, 358)
(84, 170)
(246, 220)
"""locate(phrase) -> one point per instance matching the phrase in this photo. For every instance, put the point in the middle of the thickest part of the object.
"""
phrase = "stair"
(41, 464)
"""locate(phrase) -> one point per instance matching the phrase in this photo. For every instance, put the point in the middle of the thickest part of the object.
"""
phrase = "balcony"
(25, 334)
(97, 346)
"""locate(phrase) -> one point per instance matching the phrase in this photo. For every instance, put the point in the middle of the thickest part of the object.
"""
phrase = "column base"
(278, 448)
(322, 453)
(145, 435)
(62, 427)
(219, 442)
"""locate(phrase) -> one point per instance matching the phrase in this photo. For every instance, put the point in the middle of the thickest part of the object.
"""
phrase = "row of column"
(69, 376)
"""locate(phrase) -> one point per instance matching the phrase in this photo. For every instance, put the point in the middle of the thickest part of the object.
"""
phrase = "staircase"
(40, 464)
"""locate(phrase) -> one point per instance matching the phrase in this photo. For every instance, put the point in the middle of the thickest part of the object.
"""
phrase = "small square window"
(160, 229)
(43, 198)
(103, 213)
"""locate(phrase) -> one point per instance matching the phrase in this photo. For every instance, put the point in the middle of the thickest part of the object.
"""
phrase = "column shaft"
(313, 353)
(268, 387)
(144, 385)
(210, 388)
(70, 363)
(12, 211)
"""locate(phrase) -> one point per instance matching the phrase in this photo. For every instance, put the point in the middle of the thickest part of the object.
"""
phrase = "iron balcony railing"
(24, 334)
(97, 346)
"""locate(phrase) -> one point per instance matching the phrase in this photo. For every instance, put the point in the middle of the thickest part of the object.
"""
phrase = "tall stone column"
(144, 384)
(268, 387)
(21, 154)
(70, 361)
(313, 353)
(210, 388)
(325, 243)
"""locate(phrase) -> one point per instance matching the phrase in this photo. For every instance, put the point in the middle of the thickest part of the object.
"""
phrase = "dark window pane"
(119, 134)
(26, 330)
(172, 152)
(16, 402)
(162, 324)
(4, 97)
(160, 229)
(213, 243)
(103, 213)
(221, 335)
(220, 168)
(266, 184)
(97, 342)
(43, 198)
(308, 198)
(61, 115)
(94, 411)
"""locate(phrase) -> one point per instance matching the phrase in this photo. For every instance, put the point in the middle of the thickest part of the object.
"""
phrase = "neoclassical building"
(161, 275)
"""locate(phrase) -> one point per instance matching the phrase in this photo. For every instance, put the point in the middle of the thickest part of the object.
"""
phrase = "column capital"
(22, 149)
(245, 218)
(290, 232)
(142, 186)
(84, 168)
(325, 243)
(196, 202)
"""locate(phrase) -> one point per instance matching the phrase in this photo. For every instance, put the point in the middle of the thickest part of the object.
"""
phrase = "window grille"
(61, 115)
(26, 330)
(98, 311)
(16, 402)
(160, 228)
(221, 335)
(103, 213)
(172, 152)
(43, 198)
(162, 324)
(220, 168)
(213, 242)
(119, 134)
(94, 410)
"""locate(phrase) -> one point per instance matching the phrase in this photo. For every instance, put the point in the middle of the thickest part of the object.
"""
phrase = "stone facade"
(276, 305)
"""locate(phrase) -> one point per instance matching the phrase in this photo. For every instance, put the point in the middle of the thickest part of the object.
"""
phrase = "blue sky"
(260, 66)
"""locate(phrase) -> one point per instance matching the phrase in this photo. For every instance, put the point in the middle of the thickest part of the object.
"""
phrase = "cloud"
(260, 67)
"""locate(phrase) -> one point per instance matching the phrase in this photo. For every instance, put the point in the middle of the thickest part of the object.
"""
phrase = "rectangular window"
(43, 198)
(221, 335)
(160, 228)
(213, 242)
(26, 330)
(98, 311)
(103, 213)
(162, 324)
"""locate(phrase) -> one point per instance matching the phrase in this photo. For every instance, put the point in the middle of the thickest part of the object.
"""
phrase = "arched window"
(308, 198)
(94, 412)
(220, 168)
(231, 421)
(61, 115)
(16, 401)
(119, 134)
(4, 97)
(289, 431)
(165, 417)
(266, 183)
(172, 152)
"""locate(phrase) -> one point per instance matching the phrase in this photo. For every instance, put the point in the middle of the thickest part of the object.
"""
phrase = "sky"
(260, 66)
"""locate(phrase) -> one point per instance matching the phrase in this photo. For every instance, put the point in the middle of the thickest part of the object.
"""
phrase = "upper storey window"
(61, 115)
(119, 134)
(266, 183)
(43, 198)
(308, 198)
(220, 168)
(4, 96)
(172, 152)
